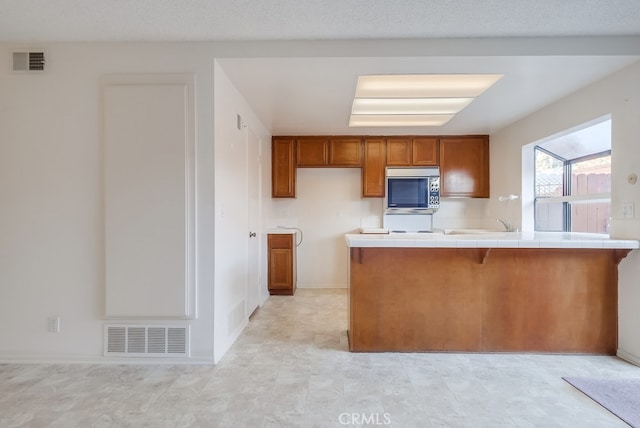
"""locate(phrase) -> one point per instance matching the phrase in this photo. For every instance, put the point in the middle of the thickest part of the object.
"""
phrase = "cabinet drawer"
(284, 241)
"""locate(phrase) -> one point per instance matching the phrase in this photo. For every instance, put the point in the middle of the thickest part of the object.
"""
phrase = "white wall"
(628, 303)
(329, 204)
(51, 188)
(618, 95)
(51, 221)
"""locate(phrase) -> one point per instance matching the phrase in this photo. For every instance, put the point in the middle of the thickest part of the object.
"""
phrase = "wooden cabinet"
(424, 151)
(417, 151)
(312, 151)
(464, 166)
(463, 160)
(283, 167)
(281, 255)
(346, 152)
(373, 168)
(329, 152)
(398, 151)
(483, 300)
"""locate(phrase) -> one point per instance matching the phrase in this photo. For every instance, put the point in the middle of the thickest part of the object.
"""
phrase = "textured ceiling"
(301, 80)
(206, 20)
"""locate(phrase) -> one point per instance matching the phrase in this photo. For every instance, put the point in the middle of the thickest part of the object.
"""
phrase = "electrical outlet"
(53, 324)
(628, 210)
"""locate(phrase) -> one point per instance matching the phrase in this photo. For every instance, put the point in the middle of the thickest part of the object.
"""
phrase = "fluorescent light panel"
(399, 119)
(424, 85)
(415, 100)
(409, 105)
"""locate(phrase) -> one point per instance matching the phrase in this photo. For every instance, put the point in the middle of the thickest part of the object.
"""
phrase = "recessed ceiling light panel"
(424, 85)
(415, 100)
(409, 105)
(399, 120)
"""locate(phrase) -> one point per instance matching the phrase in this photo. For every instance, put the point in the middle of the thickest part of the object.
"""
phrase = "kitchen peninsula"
(484, 292)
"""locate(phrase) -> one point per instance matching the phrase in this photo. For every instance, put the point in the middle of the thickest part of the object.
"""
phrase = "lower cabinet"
(281, 254)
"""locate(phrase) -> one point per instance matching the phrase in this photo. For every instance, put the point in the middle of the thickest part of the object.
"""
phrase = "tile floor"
(291, 368)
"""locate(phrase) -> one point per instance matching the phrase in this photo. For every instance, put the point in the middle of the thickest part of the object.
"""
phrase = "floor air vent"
(28, 61)
(133, 340)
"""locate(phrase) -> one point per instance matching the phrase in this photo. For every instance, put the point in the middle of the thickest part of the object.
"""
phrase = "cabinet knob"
(252, 234)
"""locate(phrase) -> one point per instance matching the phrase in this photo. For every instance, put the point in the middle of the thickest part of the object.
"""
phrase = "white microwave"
(412, 190)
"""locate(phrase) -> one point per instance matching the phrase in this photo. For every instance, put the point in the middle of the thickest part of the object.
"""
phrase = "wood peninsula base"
(484, 299)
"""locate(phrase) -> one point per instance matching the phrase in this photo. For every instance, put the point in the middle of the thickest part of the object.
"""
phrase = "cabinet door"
(283, 168)
(425, 151)
(399, 151)
(281, 263)
(312, 151)
(373, 168)
(464, 166)
(345, 152)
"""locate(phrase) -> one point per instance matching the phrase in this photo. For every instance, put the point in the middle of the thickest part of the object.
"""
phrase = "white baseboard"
(633, 359)
(69, 359)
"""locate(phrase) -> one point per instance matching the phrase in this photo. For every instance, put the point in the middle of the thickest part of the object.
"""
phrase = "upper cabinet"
(398, 151)
(283, 167)
(424, 151)
(464, 166)
(329, 152)
(373, 168)
(463, 160)
(416, 151)
(345, 151)
(312, 151)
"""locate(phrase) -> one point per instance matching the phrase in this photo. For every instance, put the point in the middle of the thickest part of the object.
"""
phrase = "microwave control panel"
(434, 192)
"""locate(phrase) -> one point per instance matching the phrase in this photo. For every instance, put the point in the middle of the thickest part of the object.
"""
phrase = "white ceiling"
(301, 80)
(169, 20)
(314, 95)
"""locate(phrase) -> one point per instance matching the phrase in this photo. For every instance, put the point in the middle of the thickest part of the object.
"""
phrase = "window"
(572, 185)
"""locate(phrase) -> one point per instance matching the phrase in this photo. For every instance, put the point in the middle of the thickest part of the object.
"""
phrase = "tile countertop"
(496, 239)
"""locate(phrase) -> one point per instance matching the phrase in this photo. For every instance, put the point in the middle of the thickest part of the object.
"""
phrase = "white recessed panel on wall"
(148, 150)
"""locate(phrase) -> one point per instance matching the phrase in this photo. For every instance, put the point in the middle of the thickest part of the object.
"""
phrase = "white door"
(253, 234)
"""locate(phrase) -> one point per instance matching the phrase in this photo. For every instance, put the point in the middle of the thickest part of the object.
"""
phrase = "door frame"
(254, 177)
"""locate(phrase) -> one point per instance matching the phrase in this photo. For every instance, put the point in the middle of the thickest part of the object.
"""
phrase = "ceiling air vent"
(28, 61)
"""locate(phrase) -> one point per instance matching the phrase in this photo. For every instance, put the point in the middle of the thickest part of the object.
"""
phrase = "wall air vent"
(28, 61)
(134, 340)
